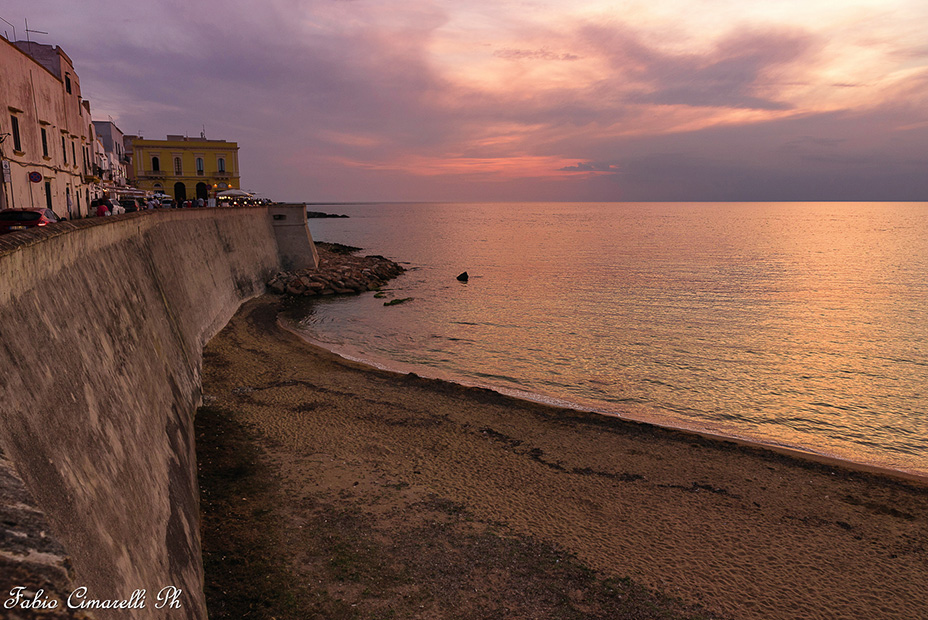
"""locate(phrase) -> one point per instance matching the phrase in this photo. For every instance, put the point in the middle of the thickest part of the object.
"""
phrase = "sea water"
(795, 324)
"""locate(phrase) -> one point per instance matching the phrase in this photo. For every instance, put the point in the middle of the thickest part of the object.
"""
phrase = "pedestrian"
(101, 208)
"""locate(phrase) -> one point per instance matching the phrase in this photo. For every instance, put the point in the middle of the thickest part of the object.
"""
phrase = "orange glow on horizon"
(511, 167)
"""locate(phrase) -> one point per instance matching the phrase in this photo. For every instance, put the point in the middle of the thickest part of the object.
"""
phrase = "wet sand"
(735, 531)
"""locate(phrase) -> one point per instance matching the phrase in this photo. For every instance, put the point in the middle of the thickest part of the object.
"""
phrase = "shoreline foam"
(800, 452)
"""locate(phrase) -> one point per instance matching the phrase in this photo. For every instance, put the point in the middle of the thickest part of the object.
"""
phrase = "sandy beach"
(372, 491)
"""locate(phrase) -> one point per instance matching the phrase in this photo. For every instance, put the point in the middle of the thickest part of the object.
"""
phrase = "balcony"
(152, 174)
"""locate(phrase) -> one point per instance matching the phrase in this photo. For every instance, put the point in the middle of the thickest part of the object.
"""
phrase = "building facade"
(184, 168)
(111, 157)
(46, 137)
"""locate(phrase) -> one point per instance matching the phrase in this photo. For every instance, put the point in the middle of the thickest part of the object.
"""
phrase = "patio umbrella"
(232, 193)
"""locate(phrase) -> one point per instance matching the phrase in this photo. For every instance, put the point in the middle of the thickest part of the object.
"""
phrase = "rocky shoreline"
(340, 272)
(315, 214)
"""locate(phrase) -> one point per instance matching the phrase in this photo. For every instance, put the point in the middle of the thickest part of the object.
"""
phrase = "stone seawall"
(102, 325)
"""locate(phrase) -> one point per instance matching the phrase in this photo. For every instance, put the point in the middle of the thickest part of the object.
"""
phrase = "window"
(73, 154)
(155, 164)
(178, 166)
(67, 83)
(64, 150)
(44, 142)
(17, 143)
(199, 166)
(48, 194)
(221, 164)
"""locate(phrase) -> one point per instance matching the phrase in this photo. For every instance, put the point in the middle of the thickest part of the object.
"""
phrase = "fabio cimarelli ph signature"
(167, 597)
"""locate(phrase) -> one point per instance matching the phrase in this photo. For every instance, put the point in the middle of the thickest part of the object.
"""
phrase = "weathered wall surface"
(295, 246)
(102, 325)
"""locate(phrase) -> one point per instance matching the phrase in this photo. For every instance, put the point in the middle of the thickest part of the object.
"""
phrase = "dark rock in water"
(312, 214)
(395, 302)
(463, 277)
(337, 248)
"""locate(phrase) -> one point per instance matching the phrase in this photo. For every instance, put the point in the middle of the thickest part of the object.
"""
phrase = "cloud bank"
(426, 100)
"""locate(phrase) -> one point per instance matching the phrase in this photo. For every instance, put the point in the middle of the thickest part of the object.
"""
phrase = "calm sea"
(796, 324)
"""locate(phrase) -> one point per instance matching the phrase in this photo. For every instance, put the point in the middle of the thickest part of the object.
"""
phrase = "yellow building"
(46, 138)
(184, 168)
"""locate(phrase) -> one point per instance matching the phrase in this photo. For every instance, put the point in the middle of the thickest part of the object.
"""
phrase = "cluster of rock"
(312, 214)
(340, 272)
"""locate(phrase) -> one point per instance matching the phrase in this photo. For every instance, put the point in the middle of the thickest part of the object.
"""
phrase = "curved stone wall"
(102, 325)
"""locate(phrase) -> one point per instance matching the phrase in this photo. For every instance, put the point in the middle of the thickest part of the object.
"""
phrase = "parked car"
(131, 205)
(22, 219)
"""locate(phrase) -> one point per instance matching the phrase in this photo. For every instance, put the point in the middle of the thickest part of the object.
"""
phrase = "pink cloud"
(373, 100)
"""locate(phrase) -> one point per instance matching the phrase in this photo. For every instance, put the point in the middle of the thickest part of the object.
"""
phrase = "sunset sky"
(472, 100)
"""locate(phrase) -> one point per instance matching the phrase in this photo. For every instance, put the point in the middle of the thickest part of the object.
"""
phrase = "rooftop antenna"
(28, 31)
(14, 30)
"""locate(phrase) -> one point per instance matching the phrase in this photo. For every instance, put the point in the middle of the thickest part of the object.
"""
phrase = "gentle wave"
(788, 324)
(656, 419)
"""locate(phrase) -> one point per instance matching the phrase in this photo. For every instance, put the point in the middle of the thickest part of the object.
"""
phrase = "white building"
(115, 159)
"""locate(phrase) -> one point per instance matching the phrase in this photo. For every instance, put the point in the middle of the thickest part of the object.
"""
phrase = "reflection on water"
(797, 323)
